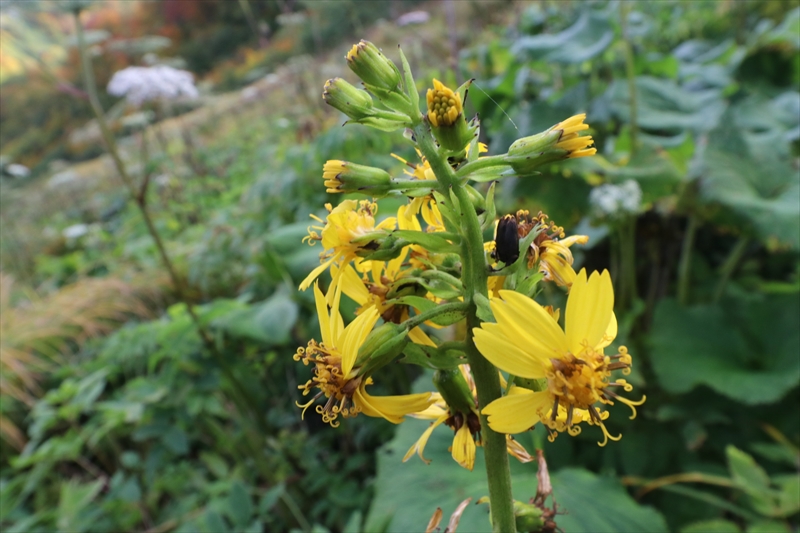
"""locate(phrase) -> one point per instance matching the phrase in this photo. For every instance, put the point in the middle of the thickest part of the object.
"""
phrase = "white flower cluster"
(616, 200)
(143, 84)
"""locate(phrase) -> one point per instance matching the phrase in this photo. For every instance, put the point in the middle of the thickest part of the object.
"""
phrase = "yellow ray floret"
(336, 378)
(527, 341)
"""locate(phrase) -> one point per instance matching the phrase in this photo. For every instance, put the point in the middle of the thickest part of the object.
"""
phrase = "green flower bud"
(381, 347)
(380, 246)
(454, 389)
(344, 176)
(353, 102)
(559, 142)
(374, 68)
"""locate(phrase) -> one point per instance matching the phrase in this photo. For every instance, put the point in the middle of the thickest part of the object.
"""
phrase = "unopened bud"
(454, 389)
(353, 102)
(381, 347)
(374, 68)
(344, 176)
(380, 246)
(559, 142)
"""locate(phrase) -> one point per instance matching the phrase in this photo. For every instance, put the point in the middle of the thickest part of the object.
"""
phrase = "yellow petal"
(352, 285)
(353, 337)
(306, 283)
(419, 446)
(610, 334)
(517, 412)
(418, 336)
(324, 319)
(464, 448)
(531, 316)
(392, 408)
(495, 347)
(590, 306)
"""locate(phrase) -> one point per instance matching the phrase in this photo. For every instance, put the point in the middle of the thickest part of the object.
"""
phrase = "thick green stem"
(487, 381)
(684, 267)
(624, 8)
(729, 266)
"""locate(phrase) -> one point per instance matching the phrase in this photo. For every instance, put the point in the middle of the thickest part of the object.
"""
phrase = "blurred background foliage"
(114, 417)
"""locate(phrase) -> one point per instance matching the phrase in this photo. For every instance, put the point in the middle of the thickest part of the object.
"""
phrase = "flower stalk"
(474, 278)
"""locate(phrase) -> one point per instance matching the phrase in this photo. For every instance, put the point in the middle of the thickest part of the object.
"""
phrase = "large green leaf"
(589, 36)
(745, 350)
(445, 484)
(755, 180)
(662, 105)
(270, 321)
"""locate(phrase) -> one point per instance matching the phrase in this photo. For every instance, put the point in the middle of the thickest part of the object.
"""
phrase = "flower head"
(614, 201)
(336, 376)
(466, 425)
(560, 141)
(575, 145)
(550, 247)
(345, 223)
(143, 84)
(344, 176)
(573, 373)
(444, 105)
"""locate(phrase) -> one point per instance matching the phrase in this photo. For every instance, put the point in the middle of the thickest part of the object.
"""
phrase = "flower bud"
(374, 68)
(381, 347)
(559, 142)
(454, 389)
(344, 176)
(380, 246)
(353, 102)
(446, 117)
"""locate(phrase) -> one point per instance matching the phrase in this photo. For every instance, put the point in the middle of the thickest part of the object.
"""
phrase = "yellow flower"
(345, 223)
(556, 259)
(372, 293)
(576, 145)
(549, 247)
(334, 373)
(467, 430)
(444, 105)
(575, 374)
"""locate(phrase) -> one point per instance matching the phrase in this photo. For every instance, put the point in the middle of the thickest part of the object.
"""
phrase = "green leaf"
(769, 526)
(270, 321)
(711, 526)
(214, 523)
(240, 506)
(732, 348)
(269, 499)
(663, 106)
(756, 182)
(175, 440)
(445, 484)
(75, 497)
(745, 471)
(589, 36)
(215, 464)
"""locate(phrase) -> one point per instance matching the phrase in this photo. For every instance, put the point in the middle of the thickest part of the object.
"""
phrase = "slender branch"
(729, 266)
(487, 381)
(624, 9)
(684, 267)
(480, 164)
(442, 309)
(239, 392)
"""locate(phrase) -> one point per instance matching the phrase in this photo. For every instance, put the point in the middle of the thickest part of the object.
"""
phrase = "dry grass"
(38, 333)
